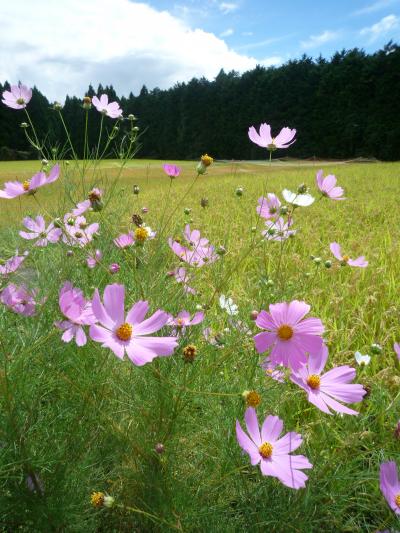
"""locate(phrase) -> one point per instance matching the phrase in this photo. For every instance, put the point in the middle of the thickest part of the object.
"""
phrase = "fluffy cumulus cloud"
(387, 26)
(63, 46)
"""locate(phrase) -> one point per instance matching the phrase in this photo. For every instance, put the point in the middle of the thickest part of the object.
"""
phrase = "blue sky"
(129, 43)
(287, 29)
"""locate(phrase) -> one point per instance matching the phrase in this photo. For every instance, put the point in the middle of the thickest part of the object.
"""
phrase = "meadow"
(159, 440)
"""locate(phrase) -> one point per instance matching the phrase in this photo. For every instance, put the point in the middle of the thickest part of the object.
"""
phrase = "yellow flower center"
(265, 450)
(253, 399)
(124, 332)
(397, 500)
(189, 353)
(314, 381)
(141, 234)
(180, 322)
(206, 160)
(20, 101)
(345, 258)
(78, 235)
(285, 332)
(25, 185)
(97, 499)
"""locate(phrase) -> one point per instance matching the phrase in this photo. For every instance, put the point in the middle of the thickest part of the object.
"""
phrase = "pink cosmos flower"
(324, 390)
(13, 264)
(128, 333)
(171, 170)
(78, 311)
(199, 251)
(272, 371)
(114, 268)
(18, 299)
(38, 231)
(124, 240)
(271, 452)
(396, 347)
(12, 189)
(278, 230)
(18, 97)
(264, 139)
(93, 260)
(183, 320)
(111, 109)
(390, 485)
(77, 230)
(268, 207)
(288, 334)
(181, 276)
(345, 259)
(327, 186)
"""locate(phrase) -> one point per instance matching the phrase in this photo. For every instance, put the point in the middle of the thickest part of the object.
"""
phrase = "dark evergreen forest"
(345, 107)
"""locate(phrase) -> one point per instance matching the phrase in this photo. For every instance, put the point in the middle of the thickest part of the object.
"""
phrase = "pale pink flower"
(327, 186)
(12, 189)
(390, 485)
(78, 232)
(129, 333)
(268, 207)
(278, 229)
(111, 109)
(396, 347)
(345, 259)
(198, 253)
(13, 264)
(19, 299)
(171, 170)
(39, 231)
(93, 260)
(183, 320)
(323, 390)
(17, 97)
(182, 276)
(271, 452)
(78, 311)
(93, 201)
(264, 139)
(288, 334)
(124, 240)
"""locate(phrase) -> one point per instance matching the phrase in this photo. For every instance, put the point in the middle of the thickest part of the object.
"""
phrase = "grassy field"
(81, 420)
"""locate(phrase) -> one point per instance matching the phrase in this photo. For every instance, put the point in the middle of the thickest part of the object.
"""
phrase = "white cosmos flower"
(302, 200)
(228, 305)
(362, 359)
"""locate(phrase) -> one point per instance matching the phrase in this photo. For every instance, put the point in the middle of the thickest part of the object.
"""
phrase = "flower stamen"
(314, 381)
(124, 332)
(265, 450)
(285, 332)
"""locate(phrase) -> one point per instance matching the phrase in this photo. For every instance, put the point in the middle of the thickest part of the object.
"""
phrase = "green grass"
(82, 420)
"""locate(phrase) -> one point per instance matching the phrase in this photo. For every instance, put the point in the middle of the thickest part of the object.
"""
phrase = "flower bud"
(24, 125)
(159, 448)
(201, 169)
(187, 210)
(199, 307)
(108, 501)
(328, 264)
(87, 102)
(58, 223)
(135, 128)
(131, 117)
(376, 349)
(221, 250)
(254, 315)
(302, 189)
(283, 210)
(45, 162)
(57, 106)
(114, 268)
(317, 260)
(270, 283)
(144, 210)
(253, 229)
(239, 191)
(70, 253)
(204, 202)
(136, 189)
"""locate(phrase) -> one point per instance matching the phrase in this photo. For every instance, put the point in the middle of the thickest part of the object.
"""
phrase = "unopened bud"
(302, 189)
(24, 125)
(283, 210)
(87, 102)
(136, 189)
(376, 349)
(159, 448)
(187, 210)
(254, 315)
(239, 191)
(328, 264)
(221, 250)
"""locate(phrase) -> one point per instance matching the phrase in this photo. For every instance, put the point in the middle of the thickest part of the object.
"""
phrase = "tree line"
(345, 107)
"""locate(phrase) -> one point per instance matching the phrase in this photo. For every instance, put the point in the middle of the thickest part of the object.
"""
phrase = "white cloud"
(317, 40)
(376, 6)
(228, 7)
(227, 33)
(76, 43)
(271, 61)
(381, 28)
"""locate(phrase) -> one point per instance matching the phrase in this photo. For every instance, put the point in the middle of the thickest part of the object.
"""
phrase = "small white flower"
(302, 200)
(228, 305)
(362, 359)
